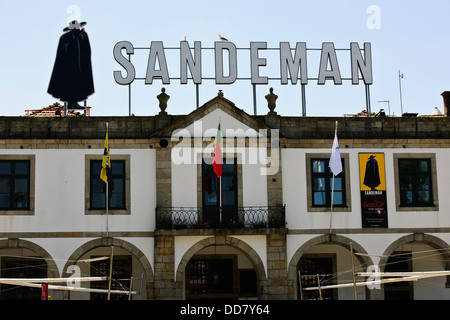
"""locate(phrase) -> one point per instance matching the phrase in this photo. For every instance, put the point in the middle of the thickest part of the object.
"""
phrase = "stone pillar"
(277, 288)
(164, 282)
(275, 185)
(163, 175)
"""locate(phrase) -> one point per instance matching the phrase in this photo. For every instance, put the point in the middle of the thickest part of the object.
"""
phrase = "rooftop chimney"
(446, 96)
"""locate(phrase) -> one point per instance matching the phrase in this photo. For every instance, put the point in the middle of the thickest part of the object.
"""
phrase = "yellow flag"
(106, 165)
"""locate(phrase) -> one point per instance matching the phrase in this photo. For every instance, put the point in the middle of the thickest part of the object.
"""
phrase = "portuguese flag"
(217, 160)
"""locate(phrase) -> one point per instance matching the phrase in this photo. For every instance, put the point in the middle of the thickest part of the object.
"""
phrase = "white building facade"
(265, 230)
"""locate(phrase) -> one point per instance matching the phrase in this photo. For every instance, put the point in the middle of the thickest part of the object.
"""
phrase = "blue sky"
(411, 36)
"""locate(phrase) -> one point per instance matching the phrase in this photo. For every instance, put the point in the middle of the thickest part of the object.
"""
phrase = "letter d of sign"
(124, 62)
(219, 48)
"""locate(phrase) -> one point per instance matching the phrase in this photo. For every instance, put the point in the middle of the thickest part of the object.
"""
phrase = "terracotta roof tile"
(54, 110)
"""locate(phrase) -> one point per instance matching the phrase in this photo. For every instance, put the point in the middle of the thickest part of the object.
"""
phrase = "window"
(416, 183)
(319, 182)
(14, 184)
(118, 188)
(322, 185)
(211, 194)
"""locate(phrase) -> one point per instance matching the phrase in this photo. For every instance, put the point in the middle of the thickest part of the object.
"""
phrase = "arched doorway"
(221, 267)
(24, 259)
(417, 253)
(328, 258)
(130, 268)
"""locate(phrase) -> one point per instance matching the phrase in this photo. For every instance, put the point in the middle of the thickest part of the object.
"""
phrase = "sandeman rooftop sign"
(294, 66)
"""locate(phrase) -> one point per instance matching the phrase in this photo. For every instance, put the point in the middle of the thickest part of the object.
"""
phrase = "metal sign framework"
(359, 64)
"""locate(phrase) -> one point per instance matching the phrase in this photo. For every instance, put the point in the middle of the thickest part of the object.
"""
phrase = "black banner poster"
(374, 212)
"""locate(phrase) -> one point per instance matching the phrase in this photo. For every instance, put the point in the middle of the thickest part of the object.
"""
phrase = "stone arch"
(118, 243)
(20, 243)
(242, 246)
(428, 239)
(327, 239)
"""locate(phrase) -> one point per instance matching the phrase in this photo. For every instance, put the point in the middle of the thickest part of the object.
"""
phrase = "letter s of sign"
(124, 62)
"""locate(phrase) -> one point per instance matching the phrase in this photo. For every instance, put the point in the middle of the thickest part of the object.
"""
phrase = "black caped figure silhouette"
(372, 175)
(71, 79)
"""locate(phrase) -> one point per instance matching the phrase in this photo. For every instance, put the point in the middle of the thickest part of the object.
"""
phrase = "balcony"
(213, 218)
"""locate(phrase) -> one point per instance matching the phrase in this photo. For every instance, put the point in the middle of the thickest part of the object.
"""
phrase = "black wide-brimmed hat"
(74, 24)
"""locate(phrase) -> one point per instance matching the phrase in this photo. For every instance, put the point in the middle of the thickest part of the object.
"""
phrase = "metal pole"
(318, 285)
(131, 284)
(129, 92)
(400, 87)
(220, 198)
(300, 285)
(110, 272)
(331, 212)
(332, 188)
(254, 99)
(107, 191)
(303, 90)
(197, 95)
(368, 108)
(107, 186)
(353, 270)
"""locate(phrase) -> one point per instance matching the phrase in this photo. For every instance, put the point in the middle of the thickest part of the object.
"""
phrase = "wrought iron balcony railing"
(214, 218)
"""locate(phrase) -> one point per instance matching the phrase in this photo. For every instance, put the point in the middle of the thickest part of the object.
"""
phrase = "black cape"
(71, 79)
(372, 176)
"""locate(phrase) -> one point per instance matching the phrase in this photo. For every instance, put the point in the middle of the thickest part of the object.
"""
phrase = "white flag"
(335, 159)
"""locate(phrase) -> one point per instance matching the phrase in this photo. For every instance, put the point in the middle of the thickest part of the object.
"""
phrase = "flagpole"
(331, 211)
(220, 182)
(400, 88)
(107, 191)
(332, 188)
